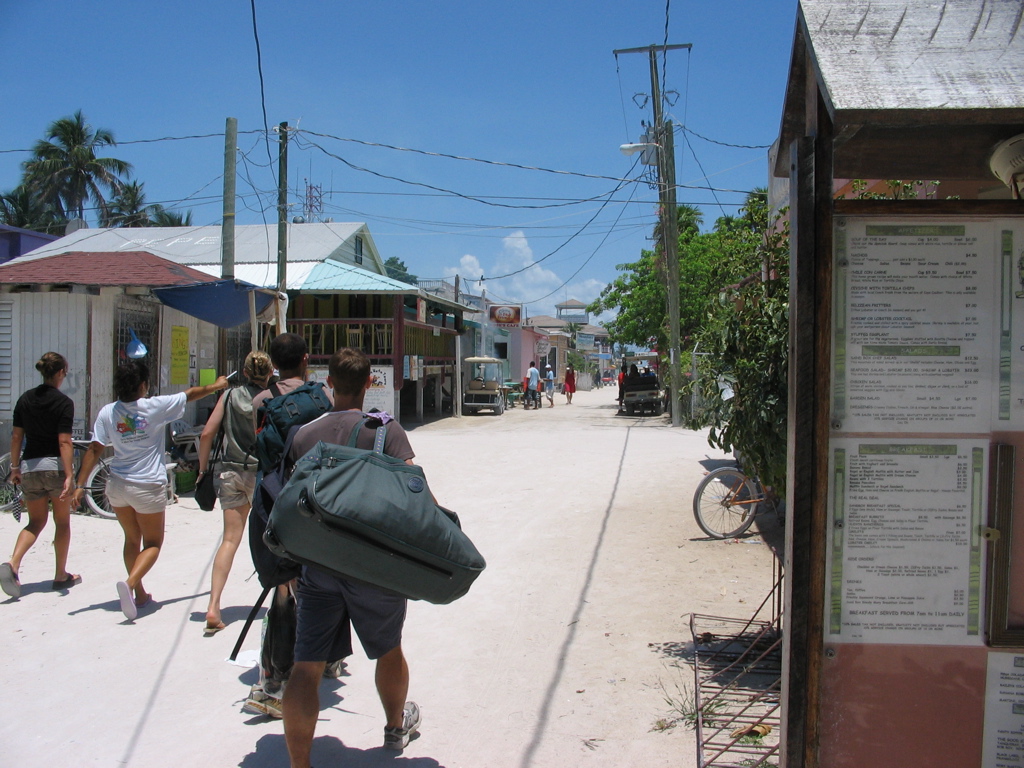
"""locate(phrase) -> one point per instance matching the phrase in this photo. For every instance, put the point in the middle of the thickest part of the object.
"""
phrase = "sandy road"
(557, 656)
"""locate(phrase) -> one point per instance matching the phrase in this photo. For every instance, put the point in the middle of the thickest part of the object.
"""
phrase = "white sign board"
(381, 394)
(1003, 744)
(905, 554)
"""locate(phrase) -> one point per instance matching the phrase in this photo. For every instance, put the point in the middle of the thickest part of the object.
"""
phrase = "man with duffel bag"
(330, 604)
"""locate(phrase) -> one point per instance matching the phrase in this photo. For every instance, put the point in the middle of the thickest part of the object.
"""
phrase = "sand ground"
(560, 655)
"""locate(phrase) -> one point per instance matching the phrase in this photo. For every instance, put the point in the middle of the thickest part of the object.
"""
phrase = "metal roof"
(254, 243)
(914, 88)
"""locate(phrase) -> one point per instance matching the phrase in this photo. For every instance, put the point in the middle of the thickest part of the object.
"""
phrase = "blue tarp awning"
(225, 303)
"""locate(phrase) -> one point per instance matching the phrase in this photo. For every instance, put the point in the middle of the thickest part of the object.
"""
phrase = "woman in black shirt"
(41, 458)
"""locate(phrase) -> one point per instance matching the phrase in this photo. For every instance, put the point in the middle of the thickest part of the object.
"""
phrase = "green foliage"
(746, 336)
(397, 270)
(65, 172)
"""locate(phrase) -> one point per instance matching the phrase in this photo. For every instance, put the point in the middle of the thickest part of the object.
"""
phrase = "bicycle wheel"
(10, 494)
(96, 490)
(725, 503)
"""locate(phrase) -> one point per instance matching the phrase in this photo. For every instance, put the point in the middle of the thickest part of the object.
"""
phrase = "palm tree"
(129, 208)
(161, 217)
(21, 208)
(65, 171)
(572, 329)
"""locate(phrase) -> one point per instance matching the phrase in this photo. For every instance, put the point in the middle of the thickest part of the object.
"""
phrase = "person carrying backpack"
(330, 606)
(290, 402)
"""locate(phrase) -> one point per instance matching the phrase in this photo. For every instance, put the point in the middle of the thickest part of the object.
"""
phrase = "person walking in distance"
(569, 385)
(41, 463)
(233, 412)
(532, 385)
(328, 605)
(549, 385)
(137, 487)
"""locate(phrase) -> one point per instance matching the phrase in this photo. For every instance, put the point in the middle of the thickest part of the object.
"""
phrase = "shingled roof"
(103, 268)
(914, 88)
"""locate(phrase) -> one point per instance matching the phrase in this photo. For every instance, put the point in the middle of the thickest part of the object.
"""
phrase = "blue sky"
(526, 83)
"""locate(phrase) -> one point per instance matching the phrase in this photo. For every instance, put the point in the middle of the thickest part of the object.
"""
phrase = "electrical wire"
(683, 128)
(456, 157)
(454, 193)
(259, 68)
(588, 260)
(569, 240)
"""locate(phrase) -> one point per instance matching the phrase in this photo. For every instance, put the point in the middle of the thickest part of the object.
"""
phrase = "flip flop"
(68, 583)
(9, 580)
(128, 607)
(209, 631)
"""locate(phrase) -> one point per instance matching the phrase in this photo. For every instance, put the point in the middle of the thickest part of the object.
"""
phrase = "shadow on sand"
(271, 752)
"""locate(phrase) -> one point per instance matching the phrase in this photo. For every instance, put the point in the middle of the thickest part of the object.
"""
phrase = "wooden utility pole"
(282, 221)
(665, 143)
(227, 227)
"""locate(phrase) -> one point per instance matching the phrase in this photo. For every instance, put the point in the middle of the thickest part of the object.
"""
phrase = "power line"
(684, 128)
(263, 95)
(569, 240)
(457, 157)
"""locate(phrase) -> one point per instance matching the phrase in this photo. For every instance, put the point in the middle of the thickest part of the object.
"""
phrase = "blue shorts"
(326, 604)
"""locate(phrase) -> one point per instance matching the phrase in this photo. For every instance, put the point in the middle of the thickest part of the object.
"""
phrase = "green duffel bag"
(369, 517)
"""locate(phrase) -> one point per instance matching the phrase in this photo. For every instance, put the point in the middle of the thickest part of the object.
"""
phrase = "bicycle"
(96, 484)
(726, 502)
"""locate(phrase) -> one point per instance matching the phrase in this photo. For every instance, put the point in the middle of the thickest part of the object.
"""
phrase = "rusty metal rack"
(737, 666)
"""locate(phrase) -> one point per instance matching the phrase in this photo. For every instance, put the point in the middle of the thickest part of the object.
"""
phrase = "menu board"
(905, 556)
(1003, 745)
(913, 326)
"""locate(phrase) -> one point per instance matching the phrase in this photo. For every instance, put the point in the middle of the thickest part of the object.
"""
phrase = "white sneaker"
(398, 738)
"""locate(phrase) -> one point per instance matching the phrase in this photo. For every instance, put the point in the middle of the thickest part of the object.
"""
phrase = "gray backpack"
(369, 517)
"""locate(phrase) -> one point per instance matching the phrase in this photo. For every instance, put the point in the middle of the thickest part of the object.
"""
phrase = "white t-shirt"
(136, 430)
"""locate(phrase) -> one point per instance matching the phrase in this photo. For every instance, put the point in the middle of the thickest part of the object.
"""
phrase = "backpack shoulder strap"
(354, 437)
(379, 438)
(275, 390)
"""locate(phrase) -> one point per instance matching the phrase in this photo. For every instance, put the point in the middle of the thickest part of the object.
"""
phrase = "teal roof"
(335, 276)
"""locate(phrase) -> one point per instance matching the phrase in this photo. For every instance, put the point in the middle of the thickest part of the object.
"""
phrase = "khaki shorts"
(236, 489)
(144, 498)
(42, 485)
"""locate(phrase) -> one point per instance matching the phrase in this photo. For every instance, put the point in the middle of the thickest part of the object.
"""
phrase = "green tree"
(746, 341)
(572, 329)
(161, 217)
(397, 270)
(65, 172)
(128, 208)
(21, 208)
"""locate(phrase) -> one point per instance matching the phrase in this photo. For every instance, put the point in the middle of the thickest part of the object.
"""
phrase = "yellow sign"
(179, 355)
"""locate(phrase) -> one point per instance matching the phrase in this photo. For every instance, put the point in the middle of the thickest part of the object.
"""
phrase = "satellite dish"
(298, 220)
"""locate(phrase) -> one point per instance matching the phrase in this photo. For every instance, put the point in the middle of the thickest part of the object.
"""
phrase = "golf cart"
(483, 377)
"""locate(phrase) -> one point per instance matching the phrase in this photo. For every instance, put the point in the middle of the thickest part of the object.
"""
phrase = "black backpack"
(279, 414)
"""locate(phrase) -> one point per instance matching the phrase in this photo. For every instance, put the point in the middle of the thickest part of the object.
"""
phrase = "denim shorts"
(144, 498)
(42, 485)
(326, 605)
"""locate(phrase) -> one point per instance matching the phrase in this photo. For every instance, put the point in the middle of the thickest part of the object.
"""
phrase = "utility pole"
(227, 227)
(282, 220)
(664, 140)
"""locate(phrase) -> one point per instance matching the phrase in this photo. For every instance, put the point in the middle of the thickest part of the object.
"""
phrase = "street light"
(632, 149)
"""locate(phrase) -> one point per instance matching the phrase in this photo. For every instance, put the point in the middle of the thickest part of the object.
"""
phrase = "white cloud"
(530, 281)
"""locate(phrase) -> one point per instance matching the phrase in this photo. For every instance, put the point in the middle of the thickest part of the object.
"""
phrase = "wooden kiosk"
(904, 605)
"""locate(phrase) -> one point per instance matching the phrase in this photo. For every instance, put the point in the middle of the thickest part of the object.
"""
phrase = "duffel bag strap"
(379, 438)
(248, 623)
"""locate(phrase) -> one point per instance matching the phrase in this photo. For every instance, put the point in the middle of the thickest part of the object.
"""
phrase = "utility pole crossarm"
(656, 48)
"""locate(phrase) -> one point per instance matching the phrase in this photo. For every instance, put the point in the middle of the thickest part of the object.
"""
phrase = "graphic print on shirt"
(132, 426)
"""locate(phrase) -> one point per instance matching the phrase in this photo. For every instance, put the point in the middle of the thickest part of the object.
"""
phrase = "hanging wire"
(263, 95)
